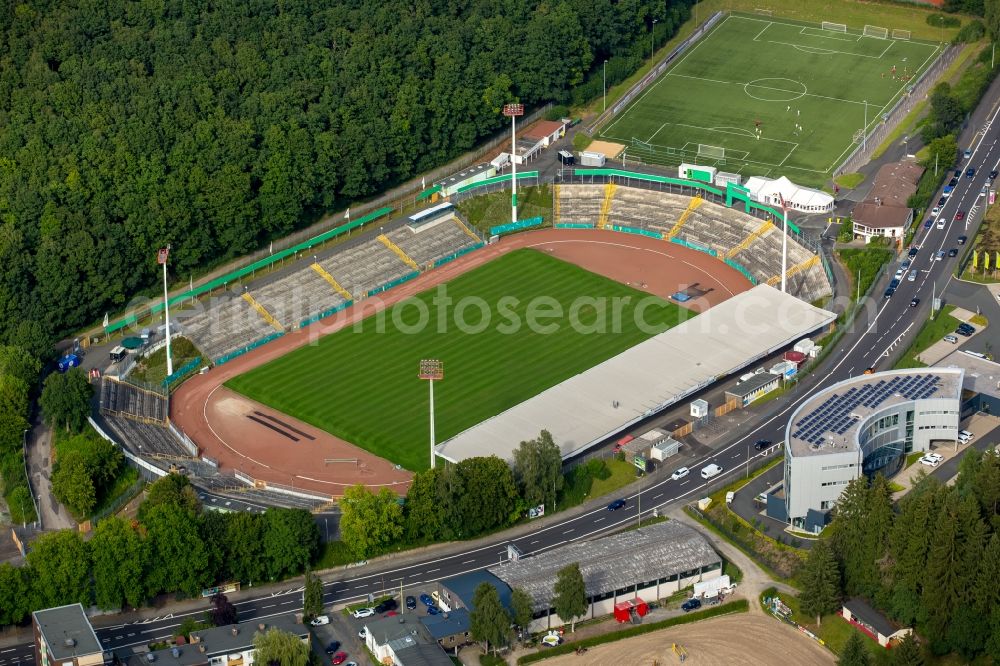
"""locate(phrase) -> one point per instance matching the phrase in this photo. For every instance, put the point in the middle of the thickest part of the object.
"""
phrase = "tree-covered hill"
(214, 126)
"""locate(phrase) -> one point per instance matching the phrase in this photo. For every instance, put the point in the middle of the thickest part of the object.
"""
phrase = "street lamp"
(605, 85)
(652, 32)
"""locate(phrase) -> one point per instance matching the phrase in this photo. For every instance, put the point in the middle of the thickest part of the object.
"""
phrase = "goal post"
(834, 27)
(876, 32)
(713, 152)
(900, 34)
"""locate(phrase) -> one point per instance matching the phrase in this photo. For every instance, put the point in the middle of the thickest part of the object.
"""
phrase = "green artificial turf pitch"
(781, 74)
(362, 386)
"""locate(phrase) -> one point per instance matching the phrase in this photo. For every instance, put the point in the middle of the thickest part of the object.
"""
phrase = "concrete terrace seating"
(580, 203)
(274, 498)
(646, 209)
(297, 295)
(145, 439)
(130, 400)
(430, 244)
(364, 267)
(224, 324)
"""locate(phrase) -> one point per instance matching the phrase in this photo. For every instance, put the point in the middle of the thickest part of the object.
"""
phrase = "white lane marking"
(468, 561)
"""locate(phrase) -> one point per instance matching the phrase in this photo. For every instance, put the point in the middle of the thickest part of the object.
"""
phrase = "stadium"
(310, 382)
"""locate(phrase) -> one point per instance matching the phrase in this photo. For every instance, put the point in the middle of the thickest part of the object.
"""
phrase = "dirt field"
(216, 419)
(723, 641)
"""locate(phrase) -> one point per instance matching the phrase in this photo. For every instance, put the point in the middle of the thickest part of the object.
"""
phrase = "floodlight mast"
(512, 111)
(431, 370)
(784, 243)
(161, 258)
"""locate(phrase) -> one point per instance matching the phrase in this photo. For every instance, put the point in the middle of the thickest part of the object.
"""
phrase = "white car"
(363, 633)
(320, 621)
(935, 211)
(680, 473)
(899, 274)
(363, 612)
(930, 462)
(934, 456)
(912, 276)
(940, 223)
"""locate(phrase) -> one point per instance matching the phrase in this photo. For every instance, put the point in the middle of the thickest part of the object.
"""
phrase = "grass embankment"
(502, 351)
(64, 442)
(987, 240)
(488, 210)
(862, 265)
(153, 368)
(849, 181)
(594, 479)
(932, 331)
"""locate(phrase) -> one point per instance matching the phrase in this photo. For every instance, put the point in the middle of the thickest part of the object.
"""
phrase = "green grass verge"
(594, 479)
(739, 606)
(863, 266)
(334, 554)
(488, 210)
(581, 140)
(913, 457)
(987, 241)
(702, 100)
(153, 368)
(349, 381)
(849, 181)
(932, 331)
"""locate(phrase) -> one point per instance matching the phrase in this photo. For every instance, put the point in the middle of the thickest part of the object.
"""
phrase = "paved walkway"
(53, 514)
(941, 348)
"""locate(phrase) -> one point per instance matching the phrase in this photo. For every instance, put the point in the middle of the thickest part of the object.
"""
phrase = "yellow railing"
(795, 270)
(754, 235)
(333, 283)
(609, 195)
(262, 311)
(399, 252)
(695, 202)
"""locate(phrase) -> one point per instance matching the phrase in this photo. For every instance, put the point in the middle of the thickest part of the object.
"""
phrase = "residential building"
(403, 640)
(65, 637)
(884, 213)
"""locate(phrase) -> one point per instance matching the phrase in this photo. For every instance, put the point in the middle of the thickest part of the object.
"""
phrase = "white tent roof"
(647, 378)
(766, 189)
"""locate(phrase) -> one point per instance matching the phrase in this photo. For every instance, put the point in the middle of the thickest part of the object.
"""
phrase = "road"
(887, 327)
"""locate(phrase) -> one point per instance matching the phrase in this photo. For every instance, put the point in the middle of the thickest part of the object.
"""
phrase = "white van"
(964, 436)
(708, 471)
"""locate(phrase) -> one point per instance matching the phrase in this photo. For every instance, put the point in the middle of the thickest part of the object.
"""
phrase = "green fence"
(225, 358)
(393, 283)
(426, 194)
(694, 246)
(455, 255)
(637, 231)
(255, 266)
(325, 313)
(180, 372)
(741, 269)
(511, 227)
(574, 225)
(496, 179)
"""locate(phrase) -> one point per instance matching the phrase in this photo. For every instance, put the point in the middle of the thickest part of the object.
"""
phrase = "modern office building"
(863, 425)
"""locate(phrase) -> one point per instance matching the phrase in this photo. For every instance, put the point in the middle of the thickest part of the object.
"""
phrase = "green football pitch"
(809, 89)
(361, 383)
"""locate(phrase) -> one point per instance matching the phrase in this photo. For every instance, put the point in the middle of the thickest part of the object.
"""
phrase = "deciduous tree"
(489, 621)
(522, 607)
(279, 648)
(65, 399)
(60, 568)
(570, 594)
(117, 559)
(291, 540)
(369, 522)
(223, 612)
(312, 596)
(538, 470)
(175, 555)
(173, 489)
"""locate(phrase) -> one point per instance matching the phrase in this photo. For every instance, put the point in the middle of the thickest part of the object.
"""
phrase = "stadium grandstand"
(144, 403)
(728, 234)
(245, 315)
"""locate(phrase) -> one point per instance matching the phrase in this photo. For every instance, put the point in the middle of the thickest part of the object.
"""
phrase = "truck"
(566, 157)
(712, 587)
(591, 159)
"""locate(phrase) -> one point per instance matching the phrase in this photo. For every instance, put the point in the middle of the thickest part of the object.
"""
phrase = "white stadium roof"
(647, 378)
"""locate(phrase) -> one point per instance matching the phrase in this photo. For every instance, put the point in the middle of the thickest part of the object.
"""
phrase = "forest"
(217, 126)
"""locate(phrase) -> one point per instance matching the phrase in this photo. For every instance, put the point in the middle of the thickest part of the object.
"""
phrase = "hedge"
(739, 606)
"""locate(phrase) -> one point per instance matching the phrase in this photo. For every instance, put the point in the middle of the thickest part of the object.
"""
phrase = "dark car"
(941, 202)
(993, 174)
(432, 610)
(958, 173)
(387, 605)
(914, 302)
(617, 504)
(963, 332)
(426, 600)
(953, 252)
(913, 252)
(953, 182)
(959, 216)
(690, 605)
(332, 647)
(929, 223)
(761, 444)
(894, 283)
(966, 327)
(889, 292)
(411, 602)
(970, 173)
(962, 239)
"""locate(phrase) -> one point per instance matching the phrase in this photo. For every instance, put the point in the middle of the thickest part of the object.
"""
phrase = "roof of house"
(646, 378)
(464, 587)
(542, 129)
(863, 611)
(895, 182)
(423, 655)
(67, 632)
(748, 387)
(881, 215)
(399, 631)
(220, 640)
(442, 625)
(613, 562)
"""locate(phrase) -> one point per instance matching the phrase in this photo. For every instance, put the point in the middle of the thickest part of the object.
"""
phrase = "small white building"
(802, 199)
